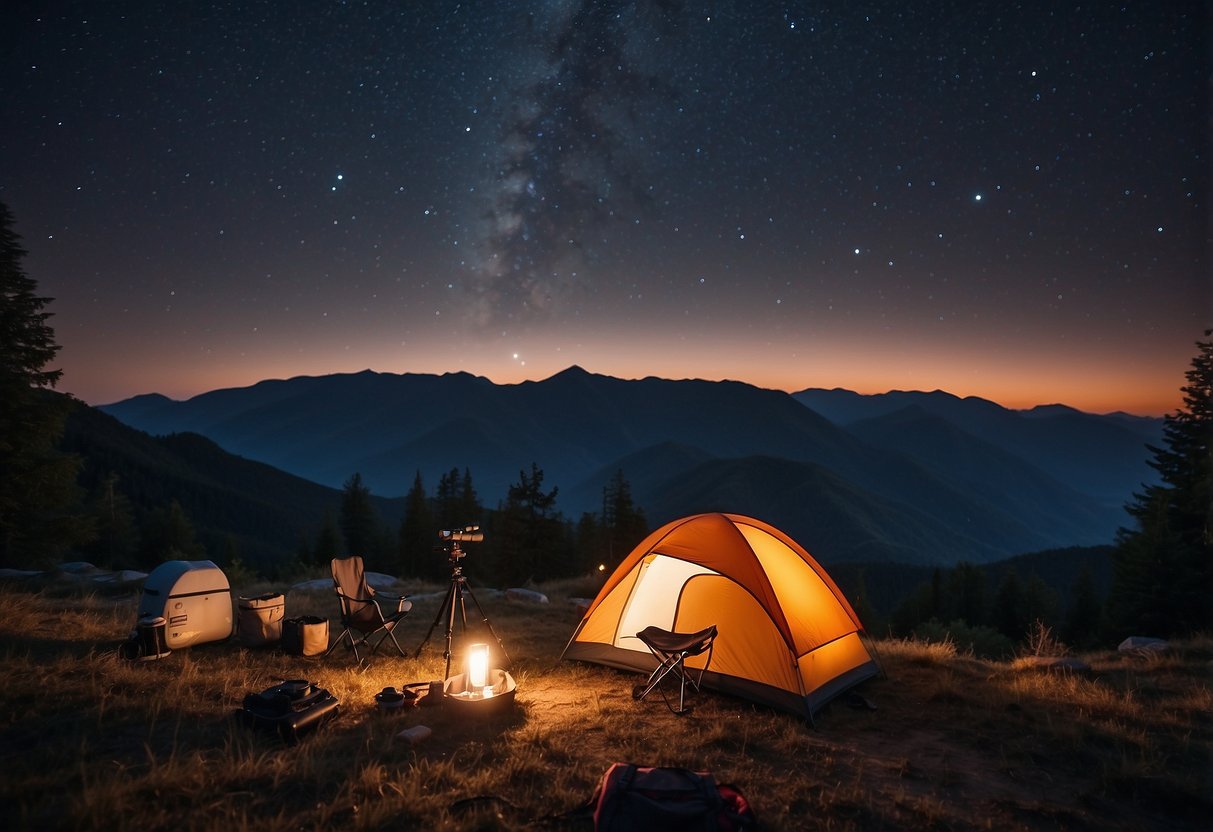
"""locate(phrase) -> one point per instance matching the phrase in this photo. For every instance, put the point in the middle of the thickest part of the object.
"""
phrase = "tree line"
(526, 536)
(1162, 566)
(992, 609)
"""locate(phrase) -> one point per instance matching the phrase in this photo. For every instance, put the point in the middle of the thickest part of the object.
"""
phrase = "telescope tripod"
(452, 603)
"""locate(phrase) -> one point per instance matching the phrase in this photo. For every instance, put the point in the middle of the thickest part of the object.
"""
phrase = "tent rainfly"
(787, 637)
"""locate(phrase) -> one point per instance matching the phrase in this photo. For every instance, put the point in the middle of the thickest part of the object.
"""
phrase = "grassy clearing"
(89, 741)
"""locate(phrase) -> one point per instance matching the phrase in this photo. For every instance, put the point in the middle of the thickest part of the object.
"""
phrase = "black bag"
(307, 635)
(650, 799)
(292, 709)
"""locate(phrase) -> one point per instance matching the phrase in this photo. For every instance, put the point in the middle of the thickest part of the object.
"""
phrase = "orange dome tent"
(787, 638)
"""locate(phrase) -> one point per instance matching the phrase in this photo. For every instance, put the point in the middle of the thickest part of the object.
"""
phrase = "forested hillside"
(181, 491)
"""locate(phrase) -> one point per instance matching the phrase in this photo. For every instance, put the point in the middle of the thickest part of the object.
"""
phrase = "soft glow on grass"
(94, 742)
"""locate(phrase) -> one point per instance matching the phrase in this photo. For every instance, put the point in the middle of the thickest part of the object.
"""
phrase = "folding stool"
(671, 651)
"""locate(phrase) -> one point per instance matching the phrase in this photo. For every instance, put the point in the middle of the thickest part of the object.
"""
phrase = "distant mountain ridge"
(852, 477)
(1103, 456)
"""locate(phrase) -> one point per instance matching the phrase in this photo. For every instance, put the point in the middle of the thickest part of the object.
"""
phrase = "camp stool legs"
(671, 651)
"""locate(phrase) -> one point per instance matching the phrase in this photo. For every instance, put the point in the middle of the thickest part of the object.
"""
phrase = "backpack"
(652, 799)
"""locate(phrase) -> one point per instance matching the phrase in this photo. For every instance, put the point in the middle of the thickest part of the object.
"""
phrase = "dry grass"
(89, 741)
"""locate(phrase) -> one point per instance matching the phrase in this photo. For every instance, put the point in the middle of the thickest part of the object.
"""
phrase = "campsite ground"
(90, 741)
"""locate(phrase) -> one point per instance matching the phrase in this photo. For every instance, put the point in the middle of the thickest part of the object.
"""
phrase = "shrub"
(981, 641)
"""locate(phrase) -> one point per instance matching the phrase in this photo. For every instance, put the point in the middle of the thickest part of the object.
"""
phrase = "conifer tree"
(1009, 615)
(1163, 568)
(469, 501)
(966, 593)
(328, 542)
(624, 523)
(418, 535)
(359, 520)
(529, 533)
(38, 492)
(456, 503)
(117, 536)
(167, 535)
(1084, 616)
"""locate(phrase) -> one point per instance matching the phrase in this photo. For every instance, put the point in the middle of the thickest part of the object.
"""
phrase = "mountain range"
(924, 478)
(265, 512)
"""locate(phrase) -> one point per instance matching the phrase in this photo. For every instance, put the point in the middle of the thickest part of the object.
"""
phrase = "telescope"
(453, 603)
(468, 534)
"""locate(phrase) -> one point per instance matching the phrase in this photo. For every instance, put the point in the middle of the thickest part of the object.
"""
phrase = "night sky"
(1008, 200)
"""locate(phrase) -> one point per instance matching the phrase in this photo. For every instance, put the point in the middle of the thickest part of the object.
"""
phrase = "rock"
(416, 734)
(19, 573)
(1144, 646)
(378, 580)
(78, 567)
(313, 586)
(527, 595)
(125, 576)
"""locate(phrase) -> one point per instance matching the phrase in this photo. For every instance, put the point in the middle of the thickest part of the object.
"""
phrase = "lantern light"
(478, 668)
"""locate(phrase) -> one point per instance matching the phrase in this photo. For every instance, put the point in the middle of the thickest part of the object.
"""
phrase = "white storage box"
(194, 597)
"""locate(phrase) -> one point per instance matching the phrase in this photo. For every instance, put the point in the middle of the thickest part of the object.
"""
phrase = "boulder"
(1144, 646)
(529, 596)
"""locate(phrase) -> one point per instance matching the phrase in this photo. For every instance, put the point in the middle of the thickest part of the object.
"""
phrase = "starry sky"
(1001, 199)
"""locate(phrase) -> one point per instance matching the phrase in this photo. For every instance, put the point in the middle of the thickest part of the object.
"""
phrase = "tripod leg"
(445, 602)
(485, 620)
(455, 598)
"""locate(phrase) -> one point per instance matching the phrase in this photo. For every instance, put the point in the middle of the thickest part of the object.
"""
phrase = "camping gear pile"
(186, 603)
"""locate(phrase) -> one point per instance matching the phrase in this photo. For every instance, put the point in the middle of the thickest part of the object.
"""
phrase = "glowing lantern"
(480, 690)
(478, 668)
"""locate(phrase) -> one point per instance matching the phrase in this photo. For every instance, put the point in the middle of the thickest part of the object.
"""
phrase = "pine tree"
(304, 553)
(468, 501)
(446, 501)
(328, 542)
(591, 543)
(359, 520)
(529, 536)
(966, 594)
(38, 493)
(117, 539)
(167, 535)
(1009, 614)
(418, 535)
(1040, 602)
(1163, 568)
(863, 608)
(1084, 616)
(625, 523)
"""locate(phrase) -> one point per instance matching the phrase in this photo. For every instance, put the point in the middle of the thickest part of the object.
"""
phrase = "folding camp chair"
(671, 651)
(360, 608)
